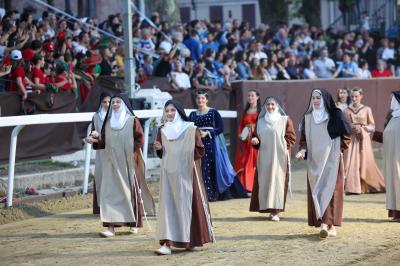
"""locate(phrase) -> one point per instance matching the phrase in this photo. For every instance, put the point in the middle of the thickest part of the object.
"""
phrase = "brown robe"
(290, 137)
(199, 233)
(136, 203)
(333, 214)
(362, 173)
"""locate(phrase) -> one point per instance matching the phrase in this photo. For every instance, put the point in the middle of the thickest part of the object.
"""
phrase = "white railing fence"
(19, 122)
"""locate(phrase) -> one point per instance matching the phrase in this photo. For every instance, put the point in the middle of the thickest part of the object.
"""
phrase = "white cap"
(16, 55)
(166, 46)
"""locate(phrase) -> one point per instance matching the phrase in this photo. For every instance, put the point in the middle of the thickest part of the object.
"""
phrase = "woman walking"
(324, 135)
(246, 154)
(362, 173)
(184, 219)
(273, 137)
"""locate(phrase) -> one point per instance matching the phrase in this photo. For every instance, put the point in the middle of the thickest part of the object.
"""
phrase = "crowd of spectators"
(48, 52)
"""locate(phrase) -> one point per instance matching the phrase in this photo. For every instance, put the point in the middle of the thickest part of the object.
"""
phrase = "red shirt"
(377, 74)
(66, 87)
(18, 72)
(37, 73)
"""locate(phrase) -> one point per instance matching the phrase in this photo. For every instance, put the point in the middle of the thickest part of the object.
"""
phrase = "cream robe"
(98, 123)
(391, 147)
(272, 163)
(176, 187)
(118, 183)
(323, 157)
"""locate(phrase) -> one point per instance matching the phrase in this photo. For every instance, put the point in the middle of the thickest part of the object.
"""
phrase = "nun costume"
(97, 123)
(391, 155)
(273, 137)
(324, 135)
(123, 192)
(183, 218)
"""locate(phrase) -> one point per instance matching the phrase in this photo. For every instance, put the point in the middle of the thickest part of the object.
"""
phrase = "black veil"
(179, 108)
(337, 125)
(125, 99)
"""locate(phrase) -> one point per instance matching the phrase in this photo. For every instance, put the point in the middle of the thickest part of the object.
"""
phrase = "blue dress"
(219, 177)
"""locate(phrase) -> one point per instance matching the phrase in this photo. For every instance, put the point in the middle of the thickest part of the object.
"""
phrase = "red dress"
(246, 155)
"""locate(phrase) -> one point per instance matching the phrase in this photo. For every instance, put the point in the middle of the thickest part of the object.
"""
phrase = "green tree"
(311, 11)
(168, 9)
(273, 12)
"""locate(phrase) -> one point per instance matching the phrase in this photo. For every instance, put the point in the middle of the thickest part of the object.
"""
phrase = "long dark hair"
(258, 102)
(348, 101)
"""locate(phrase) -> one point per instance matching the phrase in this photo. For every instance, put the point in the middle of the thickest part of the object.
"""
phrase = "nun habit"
(324, 135)
(183, 219)
(123, 186)
(276, 136)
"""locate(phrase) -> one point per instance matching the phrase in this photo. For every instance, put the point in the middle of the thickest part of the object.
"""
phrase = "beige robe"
(176, 189)
(119, 186)
(362, 173)
(391, 147)
(272, 163)
(323, 158)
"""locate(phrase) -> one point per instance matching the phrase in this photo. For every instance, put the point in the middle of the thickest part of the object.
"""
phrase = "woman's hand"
(203, 134)
(157, 145)
(24, 95)
(91, 140)
(301, 154)
(255, 141)
(369, 129)
(94, 134)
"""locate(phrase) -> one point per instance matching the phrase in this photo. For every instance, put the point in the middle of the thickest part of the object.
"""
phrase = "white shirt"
(322, 68)
(50, 33)
(77, 48)
(388, 53)
(309, 74)
(260, 55)
(181, 79)
(2, 50)
(364, 74)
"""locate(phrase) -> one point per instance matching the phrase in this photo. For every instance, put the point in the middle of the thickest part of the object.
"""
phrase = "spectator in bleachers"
(179, 80)
(346, 68)
(259, 53)
(308, 72)
(381, 70)
(386, 51)
(189, 66)
(324, 67)
(363, 71)
(193, 44)
(242, 68)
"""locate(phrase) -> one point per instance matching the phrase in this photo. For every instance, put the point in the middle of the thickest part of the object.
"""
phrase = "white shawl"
(174, 129)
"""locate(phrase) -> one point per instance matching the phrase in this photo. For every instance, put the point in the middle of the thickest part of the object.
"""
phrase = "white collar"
(174, 129)
(272, 117)
(119, 117)
(320, 114)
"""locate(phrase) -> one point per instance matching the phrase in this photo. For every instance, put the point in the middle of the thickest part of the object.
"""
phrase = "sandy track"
(243, 238)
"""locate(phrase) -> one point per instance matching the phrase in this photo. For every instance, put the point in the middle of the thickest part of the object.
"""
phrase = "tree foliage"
(168, 9)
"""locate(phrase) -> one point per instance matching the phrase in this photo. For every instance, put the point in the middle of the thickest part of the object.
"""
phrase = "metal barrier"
(19, 122)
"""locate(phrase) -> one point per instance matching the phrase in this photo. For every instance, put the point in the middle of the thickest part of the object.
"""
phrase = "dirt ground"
(243, 238)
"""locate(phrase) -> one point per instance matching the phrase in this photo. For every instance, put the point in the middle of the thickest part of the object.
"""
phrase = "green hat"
(104, 43)
(61, 66)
